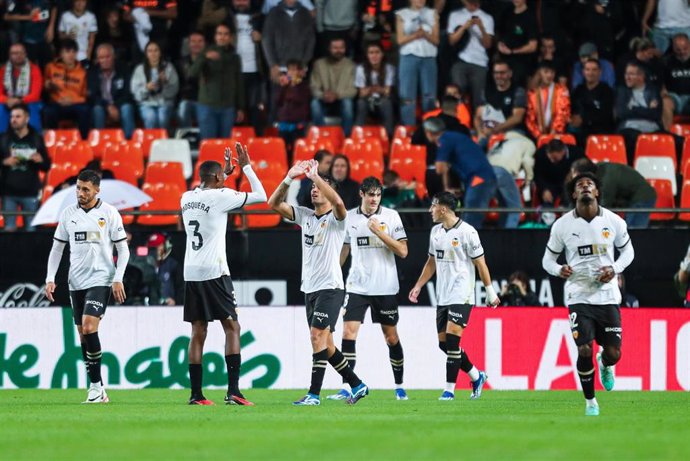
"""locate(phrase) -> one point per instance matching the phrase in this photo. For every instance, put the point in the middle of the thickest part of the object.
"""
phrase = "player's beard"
(587, 199)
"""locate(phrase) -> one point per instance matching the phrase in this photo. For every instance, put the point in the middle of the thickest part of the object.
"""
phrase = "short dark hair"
(320, 154)
(369, 184)
(447, 199)
(20, 106)
(584, 165)
(449, 103)
(389, 177)
(573, 182)
(501, 62)
(90, 176)
(69, 44)
(329, 179)
(434, 125)
(547, 64)
(209, 169)
(593, 60)
(555, 145)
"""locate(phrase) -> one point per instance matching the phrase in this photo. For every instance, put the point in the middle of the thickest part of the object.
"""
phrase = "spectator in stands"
(547, 52)
(417, 30)
(154, 86)
(471, 32)
(161, 14)
(337, 19)
(677, 76)
(548, 105)
(681, 279)
(643, 52)
(65, 84)
(552, 164)
(22, 82)
(189, 84)
(214, 12)
(672, 17)
(462, 112)
(80, 25)
(348, 188)
(458, 152)
(168, 270)
(601, 23)
(23, 154)
(587, 52)
(592, 105)
(270, 4)
(627, 299)
(396, 192)
(112, 29)
(518, 292)
(221, 87)
(325, 160)
(375, 79)
(333, 86)
(638, 108)
(110, 98)
(293, 101)
(35, 25)
(621, 187)
(517, 40)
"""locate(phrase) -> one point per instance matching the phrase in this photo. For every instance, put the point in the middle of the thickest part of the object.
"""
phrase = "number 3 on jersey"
(196, 246)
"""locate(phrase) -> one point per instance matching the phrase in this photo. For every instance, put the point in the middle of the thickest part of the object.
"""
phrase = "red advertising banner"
(533, 348)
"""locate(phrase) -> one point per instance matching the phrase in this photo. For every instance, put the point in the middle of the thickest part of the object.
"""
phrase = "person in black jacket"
(23, 154)
(552, 164)
(592, 104)
(348, 189)
(517, 292)
(108, 92)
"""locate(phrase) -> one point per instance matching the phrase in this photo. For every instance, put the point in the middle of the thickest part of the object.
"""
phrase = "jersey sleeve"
(474, 247)
(397, 228)
(61, 233)
(348, 228)
(230, 199)
(432, 250)
(555, 244)
(301, 213)
(622, 236)
(117, 229)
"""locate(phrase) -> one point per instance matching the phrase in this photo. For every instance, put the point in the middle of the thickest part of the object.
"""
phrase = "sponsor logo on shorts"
(320, 316)
(613, 330)
(455, 315)
(96, 304)
(393, 312)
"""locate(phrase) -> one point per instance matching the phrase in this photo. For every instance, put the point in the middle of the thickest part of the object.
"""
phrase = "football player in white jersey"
(588, 235)
(323, 233)
(91, 227)
(209, 294)
(454, 252)
(375, 235)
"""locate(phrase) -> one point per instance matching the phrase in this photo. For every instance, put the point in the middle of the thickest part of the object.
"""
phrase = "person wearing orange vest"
(548, 105)
(462, 112)
(65, 83)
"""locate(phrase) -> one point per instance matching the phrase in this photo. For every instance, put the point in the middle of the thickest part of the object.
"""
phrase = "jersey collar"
(325, 214)
(378, 211)
(97, 205)
(600, 212)
(454, 226)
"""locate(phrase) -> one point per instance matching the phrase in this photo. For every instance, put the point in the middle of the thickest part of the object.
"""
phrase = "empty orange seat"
(79, 153)
(606, 148)
(125, 160)
(166, 173)
(243, 133)
(685, 200)
(370, 149)
(58, 173)
(371, 131)
(566, 138)
(664, 199)
(681, 129)
(54, 137)
(495, 139)
(259, 220)
(404, 133)
(270, 149)
(146, 136)
(305, 149)
(410, 163)
(166, 197)
(99, 138)
(656, 145)
(361, 168)
(333, 133)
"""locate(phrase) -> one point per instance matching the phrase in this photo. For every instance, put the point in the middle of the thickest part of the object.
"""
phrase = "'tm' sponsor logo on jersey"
(592, 250)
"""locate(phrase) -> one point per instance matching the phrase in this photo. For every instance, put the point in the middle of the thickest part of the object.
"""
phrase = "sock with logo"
(83, 355)
(466, 365)
(395, 354)
(442, 346)
(318, 370)
(453, 357)
(349, 351)
(232, 362)
(195, 377)
(93, 356)
(339, 362)
(585, 369)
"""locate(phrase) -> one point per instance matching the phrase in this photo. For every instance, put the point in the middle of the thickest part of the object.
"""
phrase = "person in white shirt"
(672, 18)
(455, 251)
(91, 228)
(323, 234)
(80, 25)
(209, 293)
(375, 235)
(588, 235)
(471, 31)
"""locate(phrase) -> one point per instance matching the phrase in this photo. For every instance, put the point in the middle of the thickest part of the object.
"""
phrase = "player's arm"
(258, 194)
(122, 260)
(399, 247)
(344, 253)
(53, 264)
(554, 247)
(483, 269)
(277, 199)
(427, 272)
(339, 209)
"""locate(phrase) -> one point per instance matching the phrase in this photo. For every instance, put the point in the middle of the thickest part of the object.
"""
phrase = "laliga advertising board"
(520, 348)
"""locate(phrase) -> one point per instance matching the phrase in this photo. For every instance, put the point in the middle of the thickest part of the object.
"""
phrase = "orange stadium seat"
(685, 200)
(259, 220)
(54, 137)
(166, 196)
(495, 139)
(333, 133)
(99, 138)
(125, 160)
(681, 129)
(58, 173)
(305, 149)
(664, 199)
(270, 149)
(243, 133)
(404, 133)
(79, 153)
(410, 163)
(146, 136)
(371, 131)
(165, 173)
(566, 138)
(685, 158)
(656, 145)
(606, 148)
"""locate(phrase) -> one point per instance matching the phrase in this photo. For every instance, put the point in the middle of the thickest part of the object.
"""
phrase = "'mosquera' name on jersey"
(204, 212)
(454, 249)
(373, 271)
(322, 240)
(589, 247)
(90, 234)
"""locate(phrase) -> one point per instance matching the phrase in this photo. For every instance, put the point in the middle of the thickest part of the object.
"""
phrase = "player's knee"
(613, 355)
(317, 336)
(87, 328)
(391, 338)
(199, 332)
(584, 350)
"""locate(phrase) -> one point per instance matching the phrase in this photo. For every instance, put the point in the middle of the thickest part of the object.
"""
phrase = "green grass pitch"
(158, 425)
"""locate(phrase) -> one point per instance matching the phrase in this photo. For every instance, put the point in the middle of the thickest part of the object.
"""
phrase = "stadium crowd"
(529, 87)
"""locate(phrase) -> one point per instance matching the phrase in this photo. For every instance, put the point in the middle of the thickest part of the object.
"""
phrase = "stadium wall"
(520, 348)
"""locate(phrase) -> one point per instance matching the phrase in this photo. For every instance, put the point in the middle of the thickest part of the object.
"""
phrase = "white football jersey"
(204, 212)
(322, 240)
(454, 249)
(589, 247)
(90, 235)
(373, 271)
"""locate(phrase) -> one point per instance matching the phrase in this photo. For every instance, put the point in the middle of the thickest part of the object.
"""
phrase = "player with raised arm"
(323, 233)
(91, 227)
(209, 294)
(454, 252)
(375, 235)
(588, 235)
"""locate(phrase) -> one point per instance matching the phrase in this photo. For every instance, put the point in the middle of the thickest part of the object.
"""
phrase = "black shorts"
(210, 300)
(384, 308)
(458, 314)
(596, 322)
(91, 301)
(323, 308)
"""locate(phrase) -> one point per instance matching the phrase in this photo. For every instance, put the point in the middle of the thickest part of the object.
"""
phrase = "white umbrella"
(119, 194)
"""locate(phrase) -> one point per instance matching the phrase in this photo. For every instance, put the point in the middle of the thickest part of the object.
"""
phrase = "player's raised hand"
(312, 171)
(606, 274)
(298, 169)
(414, 294)
(242, 154)
(229, 167)
(50, 289)
(566, 271)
